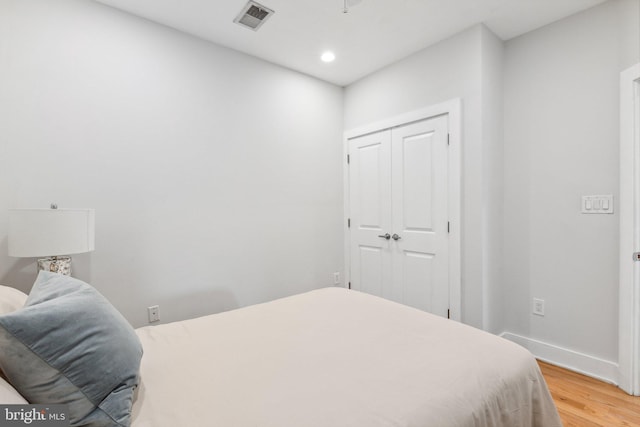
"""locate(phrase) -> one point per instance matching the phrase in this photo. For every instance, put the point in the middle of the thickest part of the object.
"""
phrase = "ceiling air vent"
(253, 15)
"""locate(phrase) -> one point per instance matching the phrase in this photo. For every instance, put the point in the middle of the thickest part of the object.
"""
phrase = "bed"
(331, 358)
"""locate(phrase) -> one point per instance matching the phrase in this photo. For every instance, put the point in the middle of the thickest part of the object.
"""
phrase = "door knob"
(396, 237)
(385, 236)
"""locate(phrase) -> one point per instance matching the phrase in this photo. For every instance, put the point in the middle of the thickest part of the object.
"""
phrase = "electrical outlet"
(538, 306)
(154, 313)
(336, 278)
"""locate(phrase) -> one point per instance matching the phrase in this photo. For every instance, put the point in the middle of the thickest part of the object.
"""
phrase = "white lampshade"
(50, 232)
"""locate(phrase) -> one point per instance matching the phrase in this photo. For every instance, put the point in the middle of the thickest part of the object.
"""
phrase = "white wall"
(561, 142)
(216, 177)
(460, 67)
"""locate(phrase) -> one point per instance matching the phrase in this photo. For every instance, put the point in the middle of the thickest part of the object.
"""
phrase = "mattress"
(332, 358)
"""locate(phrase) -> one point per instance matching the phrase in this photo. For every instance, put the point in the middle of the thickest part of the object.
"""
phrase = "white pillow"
(11, 299)
(9, 395)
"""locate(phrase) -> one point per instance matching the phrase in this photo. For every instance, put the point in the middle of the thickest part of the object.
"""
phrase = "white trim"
(629, 295)
(455, 213)
(452, 108)
(600, 369)
(345, 227)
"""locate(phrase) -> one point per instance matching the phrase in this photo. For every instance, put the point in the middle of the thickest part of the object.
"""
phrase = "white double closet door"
(398, 214)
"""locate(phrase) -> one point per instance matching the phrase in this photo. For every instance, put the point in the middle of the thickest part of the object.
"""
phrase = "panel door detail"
(398, 185)
(370, 213)
(419, 215)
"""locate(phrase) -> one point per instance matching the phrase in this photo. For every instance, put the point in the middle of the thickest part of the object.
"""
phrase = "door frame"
(629, 294)
(452, 109)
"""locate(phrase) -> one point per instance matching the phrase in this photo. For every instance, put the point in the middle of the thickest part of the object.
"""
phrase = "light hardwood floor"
(585, 402)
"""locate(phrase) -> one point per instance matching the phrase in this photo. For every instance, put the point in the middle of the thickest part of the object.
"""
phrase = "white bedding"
(334, 358)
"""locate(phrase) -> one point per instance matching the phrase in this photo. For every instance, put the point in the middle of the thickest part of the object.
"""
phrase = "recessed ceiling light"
(328, 56)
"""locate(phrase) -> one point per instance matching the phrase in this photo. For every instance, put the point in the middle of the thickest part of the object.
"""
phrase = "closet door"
(419, 215)
(370, 213)
(398, 210)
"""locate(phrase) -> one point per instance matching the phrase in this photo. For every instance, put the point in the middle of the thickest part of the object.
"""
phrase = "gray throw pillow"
(69, 345)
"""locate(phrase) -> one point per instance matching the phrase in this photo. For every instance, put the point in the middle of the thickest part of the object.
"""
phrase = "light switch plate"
(602, 204)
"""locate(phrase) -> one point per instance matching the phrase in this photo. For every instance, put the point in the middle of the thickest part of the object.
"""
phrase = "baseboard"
(600, 369)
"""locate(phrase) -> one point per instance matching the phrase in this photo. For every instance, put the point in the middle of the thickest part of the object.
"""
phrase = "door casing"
(452, 108)
(629, 294)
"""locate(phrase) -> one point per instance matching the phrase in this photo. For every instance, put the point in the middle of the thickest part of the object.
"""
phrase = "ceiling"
(373, 34)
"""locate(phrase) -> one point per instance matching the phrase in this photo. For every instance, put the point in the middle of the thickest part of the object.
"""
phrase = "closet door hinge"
(348, 159)
(348, 222)
(448, 314)
(448, 139)
(448, 227)
(349, 285)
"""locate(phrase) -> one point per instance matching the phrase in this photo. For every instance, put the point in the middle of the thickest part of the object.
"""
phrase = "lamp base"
(60, 265)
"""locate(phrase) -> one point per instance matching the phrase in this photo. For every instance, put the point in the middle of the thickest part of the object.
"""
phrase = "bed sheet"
(335, 358)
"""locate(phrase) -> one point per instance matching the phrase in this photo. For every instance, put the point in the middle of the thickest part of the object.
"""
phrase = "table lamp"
(53, 233)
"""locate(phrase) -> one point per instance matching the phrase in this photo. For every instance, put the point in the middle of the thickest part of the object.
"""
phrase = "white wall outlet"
(538, 306)
(154, 313)
(336, 278)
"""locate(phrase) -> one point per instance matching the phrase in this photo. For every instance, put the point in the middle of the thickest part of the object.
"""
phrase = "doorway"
(402, 201)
